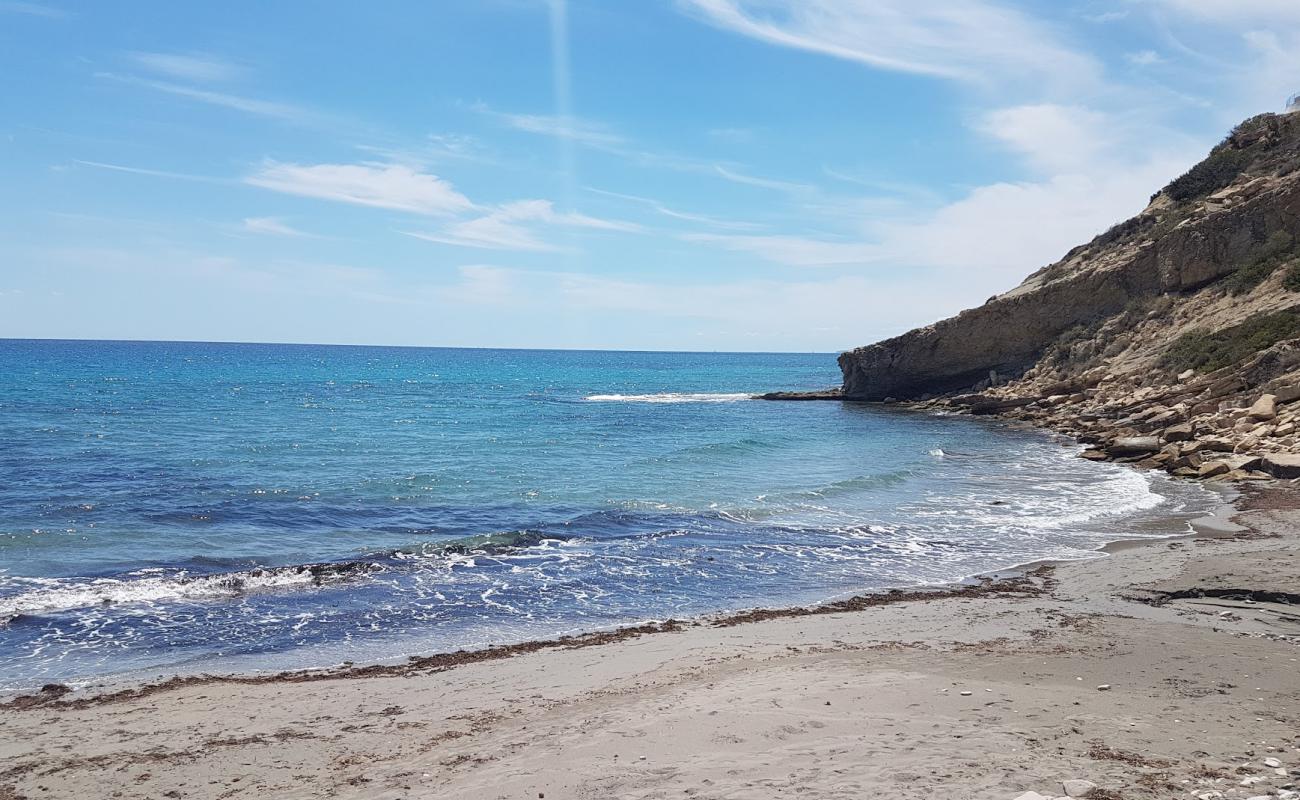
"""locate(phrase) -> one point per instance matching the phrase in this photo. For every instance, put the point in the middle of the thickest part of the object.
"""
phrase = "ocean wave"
(668, 397)
(485, 544)
(64, 594)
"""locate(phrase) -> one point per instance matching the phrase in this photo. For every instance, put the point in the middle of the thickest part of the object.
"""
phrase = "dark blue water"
(174, 507)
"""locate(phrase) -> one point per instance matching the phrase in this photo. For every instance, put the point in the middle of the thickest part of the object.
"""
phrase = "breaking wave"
(667, 397)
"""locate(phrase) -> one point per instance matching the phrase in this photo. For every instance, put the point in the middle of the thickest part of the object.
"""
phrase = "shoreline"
(1082, 669)
(142, 683)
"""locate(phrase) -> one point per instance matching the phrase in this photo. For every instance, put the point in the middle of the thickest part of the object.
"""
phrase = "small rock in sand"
(1032, 796)
(966, 694)
(1105, 687)
(1078, 788)
(1272, 763)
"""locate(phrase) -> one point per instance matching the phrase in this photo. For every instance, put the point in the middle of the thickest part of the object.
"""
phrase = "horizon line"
(412, 346)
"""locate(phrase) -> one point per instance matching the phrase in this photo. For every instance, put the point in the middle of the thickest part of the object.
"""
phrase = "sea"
(173, 508)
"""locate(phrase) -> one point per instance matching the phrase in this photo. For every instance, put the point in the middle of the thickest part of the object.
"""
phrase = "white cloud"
(513, 227)
(977, 42)
(271, 227)
(391, 186)
(1053, 138)
(188, 67)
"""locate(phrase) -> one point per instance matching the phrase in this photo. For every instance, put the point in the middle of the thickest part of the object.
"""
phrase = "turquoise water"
(169, 507)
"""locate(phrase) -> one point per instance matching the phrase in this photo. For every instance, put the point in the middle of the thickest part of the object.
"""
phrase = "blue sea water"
(177, 507)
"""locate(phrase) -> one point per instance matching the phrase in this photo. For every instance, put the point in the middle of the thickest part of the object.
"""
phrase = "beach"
(1108, 670)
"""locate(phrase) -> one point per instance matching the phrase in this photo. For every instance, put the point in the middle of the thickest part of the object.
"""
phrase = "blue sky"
(686, 174)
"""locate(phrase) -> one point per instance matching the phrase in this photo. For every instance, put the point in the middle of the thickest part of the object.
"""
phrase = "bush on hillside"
(1220, 169)
(1280, 248)
(1206, 351)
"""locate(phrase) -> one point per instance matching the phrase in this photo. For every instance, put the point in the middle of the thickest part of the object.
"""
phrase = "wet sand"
(987, 691)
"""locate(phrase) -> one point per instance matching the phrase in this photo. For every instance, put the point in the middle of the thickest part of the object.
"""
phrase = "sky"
(747, 175)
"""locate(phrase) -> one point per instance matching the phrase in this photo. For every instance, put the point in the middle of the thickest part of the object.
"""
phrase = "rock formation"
(1172, 339)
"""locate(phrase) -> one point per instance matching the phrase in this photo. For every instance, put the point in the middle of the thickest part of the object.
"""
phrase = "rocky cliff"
(1197, 232)
(1179, 327)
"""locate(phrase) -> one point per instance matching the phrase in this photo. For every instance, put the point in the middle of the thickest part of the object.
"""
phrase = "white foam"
(667, 397)
(56, 594)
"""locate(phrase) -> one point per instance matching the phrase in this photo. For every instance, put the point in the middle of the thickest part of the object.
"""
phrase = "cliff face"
(1210, 251)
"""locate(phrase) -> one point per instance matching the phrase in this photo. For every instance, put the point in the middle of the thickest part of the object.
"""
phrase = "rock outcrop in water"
(1167, 328)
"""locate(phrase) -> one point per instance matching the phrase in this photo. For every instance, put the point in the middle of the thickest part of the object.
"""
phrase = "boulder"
(994, 406)
(1282, 465)
(1133, 445)
(1217, 444)
(1211, 469)
(1265, 408)
(1244, 462)
(1179, 433)
(1288, 394)
(1078, 788)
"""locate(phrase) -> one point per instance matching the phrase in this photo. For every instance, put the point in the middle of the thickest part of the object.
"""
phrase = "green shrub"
(1206, 351)
(1279, 248)
(1292, 280)
(1221, 168)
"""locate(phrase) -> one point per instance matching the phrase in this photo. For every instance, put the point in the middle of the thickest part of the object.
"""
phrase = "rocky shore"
(1210, 427)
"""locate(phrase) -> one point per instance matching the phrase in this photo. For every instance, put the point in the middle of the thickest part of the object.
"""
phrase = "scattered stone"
(1032, 796)
(1213, 469)
(1272, 763)
(1133, 445)
(1105, 687)
(966, 694)
(1264, 408)
(1078, 788)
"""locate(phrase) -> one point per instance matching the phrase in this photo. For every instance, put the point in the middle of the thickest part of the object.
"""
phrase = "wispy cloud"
(1143, 58)
(673, 213)
(32, 10)
(762, 183)
(601, 138)
(248, 105)
(1104, 17)
(978, 42)
(577, 130)
(392, 186)
(155, 173)
(795, 251)
(271, 226)
(190, 67)
(513, 226)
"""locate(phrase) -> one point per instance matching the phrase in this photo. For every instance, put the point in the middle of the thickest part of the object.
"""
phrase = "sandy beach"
(1112, 671)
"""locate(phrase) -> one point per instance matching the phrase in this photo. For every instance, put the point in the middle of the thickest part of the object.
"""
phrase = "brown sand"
(983, 693)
